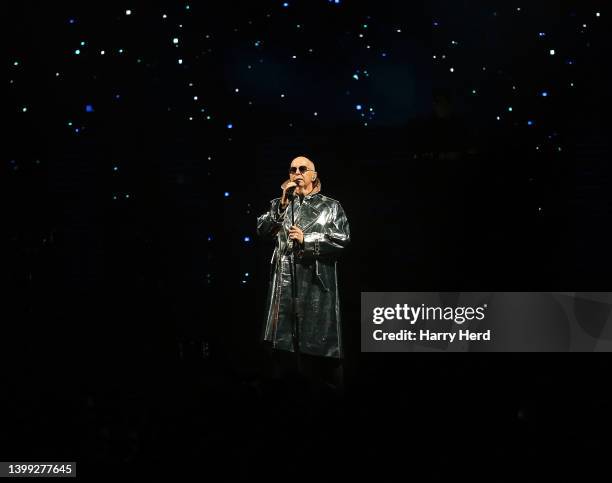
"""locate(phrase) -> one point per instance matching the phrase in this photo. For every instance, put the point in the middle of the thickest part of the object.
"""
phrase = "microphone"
(290, 192)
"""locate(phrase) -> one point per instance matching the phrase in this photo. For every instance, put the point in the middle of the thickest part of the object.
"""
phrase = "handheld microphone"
(290, 192)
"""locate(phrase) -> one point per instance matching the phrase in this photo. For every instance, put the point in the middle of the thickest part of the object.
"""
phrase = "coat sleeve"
(334, 238)
(270, 222)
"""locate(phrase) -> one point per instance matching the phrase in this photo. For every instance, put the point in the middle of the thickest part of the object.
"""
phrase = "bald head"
(302, 172)
(301, 160)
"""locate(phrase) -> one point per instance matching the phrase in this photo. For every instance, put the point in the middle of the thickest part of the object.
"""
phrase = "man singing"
(318, 237)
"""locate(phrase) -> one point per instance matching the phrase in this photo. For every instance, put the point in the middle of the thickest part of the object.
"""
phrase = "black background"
(129, 337)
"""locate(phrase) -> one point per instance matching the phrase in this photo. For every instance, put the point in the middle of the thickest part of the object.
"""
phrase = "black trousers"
(318, 370)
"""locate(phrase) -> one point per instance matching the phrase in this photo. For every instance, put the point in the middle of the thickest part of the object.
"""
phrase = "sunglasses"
(302, 169)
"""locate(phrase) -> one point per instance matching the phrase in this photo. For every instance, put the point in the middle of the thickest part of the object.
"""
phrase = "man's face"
(303, 173)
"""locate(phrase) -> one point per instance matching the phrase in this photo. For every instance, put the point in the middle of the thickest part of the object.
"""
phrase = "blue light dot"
(89, 108)
(530, 123)
(210, 238)
(226, 194)
(542, 34)
(285, 4)
(230, 126)
(71, 21)
(247, 239)
(358, 107)
(544, 94)
(77, 52)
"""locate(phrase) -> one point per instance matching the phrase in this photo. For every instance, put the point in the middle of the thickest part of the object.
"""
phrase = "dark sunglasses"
(303, 169)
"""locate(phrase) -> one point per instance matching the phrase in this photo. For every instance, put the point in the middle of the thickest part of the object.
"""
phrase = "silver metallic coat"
(326, 234)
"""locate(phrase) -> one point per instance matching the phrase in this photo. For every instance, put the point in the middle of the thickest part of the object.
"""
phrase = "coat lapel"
(309, 213)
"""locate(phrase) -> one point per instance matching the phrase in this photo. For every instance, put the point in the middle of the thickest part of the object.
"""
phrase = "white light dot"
(175, 40)
(452, 69)
(195, 98)
(236, 90)
(102, 52)
(128, 12)
(180, 61)
(552, 51)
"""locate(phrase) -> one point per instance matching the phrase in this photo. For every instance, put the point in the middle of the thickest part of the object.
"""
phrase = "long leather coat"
(326, 234)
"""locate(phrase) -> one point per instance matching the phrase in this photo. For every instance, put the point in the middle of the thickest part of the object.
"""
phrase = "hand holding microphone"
(288, 193)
